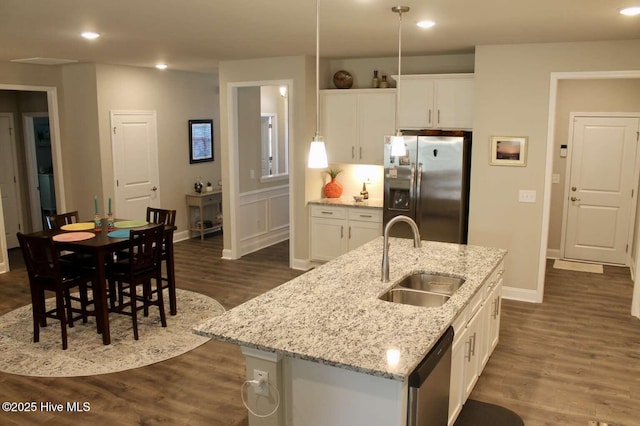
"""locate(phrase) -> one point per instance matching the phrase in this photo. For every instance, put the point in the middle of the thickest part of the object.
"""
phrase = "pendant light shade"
(317, 151)
(317, 154)
(398, 148)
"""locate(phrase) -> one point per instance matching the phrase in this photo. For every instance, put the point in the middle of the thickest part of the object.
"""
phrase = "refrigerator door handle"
(419, 193)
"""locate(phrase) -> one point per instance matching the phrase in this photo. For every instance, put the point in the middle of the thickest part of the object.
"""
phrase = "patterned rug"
(86, 355)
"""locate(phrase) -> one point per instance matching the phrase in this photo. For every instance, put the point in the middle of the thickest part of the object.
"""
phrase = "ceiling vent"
(44, 61)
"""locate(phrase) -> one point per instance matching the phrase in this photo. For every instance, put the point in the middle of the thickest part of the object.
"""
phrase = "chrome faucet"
(385, 248)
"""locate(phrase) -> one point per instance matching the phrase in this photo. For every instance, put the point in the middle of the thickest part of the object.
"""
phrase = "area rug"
(86, 355)
(578, 266)
(477, 413)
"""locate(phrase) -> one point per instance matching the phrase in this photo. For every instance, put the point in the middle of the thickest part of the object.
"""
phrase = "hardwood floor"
(567, 361)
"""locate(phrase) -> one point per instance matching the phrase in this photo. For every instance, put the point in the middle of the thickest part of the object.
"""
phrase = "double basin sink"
(423, 289)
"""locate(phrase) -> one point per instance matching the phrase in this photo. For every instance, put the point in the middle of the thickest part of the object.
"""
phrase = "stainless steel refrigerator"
(430, 184)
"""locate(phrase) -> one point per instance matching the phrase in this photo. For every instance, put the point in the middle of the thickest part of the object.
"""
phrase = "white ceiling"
(196, 34)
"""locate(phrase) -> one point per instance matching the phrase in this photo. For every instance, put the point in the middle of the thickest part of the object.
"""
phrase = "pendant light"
(398, 148)
(317, 151)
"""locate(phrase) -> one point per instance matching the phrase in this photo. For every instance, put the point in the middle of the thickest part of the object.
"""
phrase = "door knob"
(155, 188)
(573, 188)
(575, 199)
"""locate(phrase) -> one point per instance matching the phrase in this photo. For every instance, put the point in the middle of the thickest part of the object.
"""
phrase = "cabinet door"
(327, 238)
(454, 103)
(416, 103)
(472, 345)
(376, 118)
(339, 113)
(456, 387)
(493, 328)
(362, 232)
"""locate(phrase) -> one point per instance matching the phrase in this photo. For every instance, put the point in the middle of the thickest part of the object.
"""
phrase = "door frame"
(555, 78)
(32, 167)
(636, 176)
(58, 171)
(13, 146)
(230, 224)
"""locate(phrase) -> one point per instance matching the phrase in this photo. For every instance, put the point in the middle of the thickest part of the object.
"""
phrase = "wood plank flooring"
(567, 361)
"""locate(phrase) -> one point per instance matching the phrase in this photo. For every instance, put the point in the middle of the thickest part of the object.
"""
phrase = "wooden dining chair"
(57, 221)
(166, 217)
(46, 273)
(139, 268)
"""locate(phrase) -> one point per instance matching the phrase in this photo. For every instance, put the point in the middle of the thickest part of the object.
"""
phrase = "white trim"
(4, 264)
(554, 254)
(520, 294)
(555, 77)
(32, 168)
(13, 147)
(260, 354)
(301, 264)
(233, 197)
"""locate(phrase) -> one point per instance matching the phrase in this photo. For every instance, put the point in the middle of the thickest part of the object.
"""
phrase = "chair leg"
(36, 322)
(84, 301)
(67, 303)
(134, 310)
(63, 321)
(171, 283)
(163, 318)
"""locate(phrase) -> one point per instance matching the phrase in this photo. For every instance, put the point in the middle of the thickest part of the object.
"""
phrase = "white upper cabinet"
(354, 123)
(436, 101)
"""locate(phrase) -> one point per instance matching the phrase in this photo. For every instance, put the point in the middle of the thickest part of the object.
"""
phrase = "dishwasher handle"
(430, 361)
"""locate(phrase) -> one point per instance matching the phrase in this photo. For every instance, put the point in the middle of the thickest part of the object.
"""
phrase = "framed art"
(508, 151)
(200, 141)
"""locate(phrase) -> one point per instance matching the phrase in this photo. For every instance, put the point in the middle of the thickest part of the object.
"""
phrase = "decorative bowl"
(358, 198)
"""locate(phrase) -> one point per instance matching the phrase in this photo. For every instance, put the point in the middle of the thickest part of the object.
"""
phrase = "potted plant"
(209, 187)
(333, 189)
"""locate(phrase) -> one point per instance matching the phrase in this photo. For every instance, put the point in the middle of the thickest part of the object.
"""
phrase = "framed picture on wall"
(200, 141)
(508, 151)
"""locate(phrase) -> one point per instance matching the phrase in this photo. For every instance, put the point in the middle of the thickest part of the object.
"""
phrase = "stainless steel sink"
(408, 296)
(434, 283)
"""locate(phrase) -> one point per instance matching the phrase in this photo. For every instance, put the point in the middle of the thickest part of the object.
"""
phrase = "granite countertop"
(375, 203)
(332, 313)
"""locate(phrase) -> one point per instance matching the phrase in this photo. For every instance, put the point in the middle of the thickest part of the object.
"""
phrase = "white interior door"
(135, 163)
(598, 213)
(8, 180)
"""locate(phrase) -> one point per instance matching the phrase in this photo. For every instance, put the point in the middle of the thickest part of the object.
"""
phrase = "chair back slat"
(57, 221)
(145, 248)
(40, 257)
(162, 216)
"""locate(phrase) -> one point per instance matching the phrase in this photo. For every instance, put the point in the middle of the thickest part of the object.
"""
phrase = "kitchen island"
(335, 352)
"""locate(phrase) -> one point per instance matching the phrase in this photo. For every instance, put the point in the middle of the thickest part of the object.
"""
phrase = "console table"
(200, 201)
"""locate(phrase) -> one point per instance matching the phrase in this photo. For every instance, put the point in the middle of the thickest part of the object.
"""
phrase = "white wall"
(512, 98)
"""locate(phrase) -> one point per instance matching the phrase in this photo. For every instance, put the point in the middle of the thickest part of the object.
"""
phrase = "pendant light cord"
(317, 68)
(398, 133)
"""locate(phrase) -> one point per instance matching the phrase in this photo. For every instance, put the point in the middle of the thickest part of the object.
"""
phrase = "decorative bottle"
(364, 192)
(375, 83)
(383, 82)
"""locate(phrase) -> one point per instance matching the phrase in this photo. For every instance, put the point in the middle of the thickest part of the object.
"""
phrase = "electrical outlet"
(262, 387)
(527, 196)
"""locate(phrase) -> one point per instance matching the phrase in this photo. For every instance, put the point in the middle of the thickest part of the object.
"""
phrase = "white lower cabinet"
(335, 230)
(476, 336)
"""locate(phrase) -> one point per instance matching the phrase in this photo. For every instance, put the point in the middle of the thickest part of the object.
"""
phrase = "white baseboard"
(554, 254)
(181, 236)
(519, 294)
(3, 267)
(301, 264)
(227, 254)
(259, 242)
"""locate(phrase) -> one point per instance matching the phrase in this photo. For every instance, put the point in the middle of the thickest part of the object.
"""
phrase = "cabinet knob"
(155, 188)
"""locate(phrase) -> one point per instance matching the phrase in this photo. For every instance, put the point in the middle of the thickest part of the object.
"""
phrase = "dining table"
(101, 247)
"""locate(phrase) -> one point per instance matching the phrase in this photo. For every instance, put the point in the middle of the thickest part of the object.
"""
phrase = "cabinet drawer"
(210, 199)
(365, 215)
(328, 212)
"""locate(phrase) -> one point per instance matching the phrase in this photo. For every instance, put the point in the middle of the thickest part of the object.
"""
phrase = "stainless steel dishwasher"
(429, 385)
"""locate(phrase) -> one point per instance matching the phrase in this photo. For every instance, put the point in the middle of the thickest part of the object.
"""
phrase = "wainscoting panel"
(263, 218)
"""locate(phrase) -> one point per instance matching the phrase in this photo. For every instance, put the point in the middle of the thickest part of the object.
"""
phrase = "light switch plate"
(555, 178)
(527, 196)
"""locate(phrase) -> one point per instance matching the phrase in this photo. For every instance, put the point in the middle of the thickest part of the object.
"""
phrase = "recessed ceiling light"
(161, 66)
(631, 11)
(89, 35)
(426, 24)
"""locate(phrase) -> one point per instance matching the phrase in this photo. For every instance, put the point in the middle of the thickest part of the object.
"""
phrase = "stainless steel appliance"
(429, 385)
(430, 184)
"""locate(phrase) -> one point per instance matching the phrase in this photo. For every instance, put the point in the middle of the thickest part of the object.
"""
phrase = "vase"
(333, 189)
